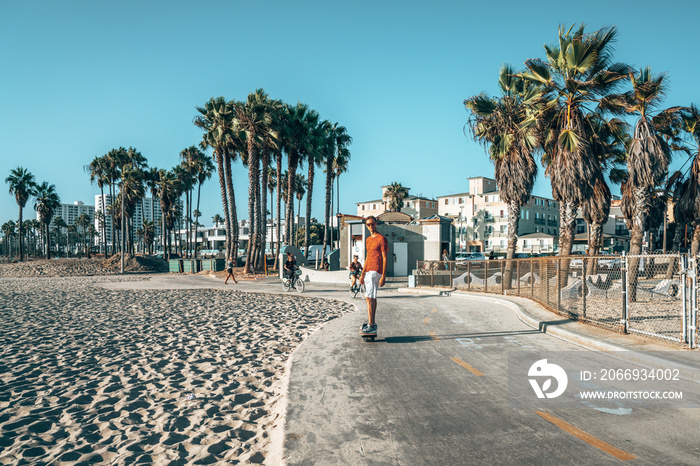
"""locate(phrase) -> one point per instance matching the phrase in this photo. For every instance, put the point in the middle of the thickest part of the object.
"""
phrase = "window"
(504, 228)
(374, 206)
(501, 213)
(446, 201)
(363, 207)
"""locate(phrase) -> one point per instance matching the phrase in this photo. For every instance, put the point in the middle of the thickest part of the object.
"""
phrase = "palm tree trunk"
(309, 194)
(293, 162)
(636, 238)
(253, 167)
(199, 192)
(567, 219)
(695, 245)
(232, 206)
(263, 205)
(596, 236)
(278, 227)
(327, 211)
(513, 220)
(224, 201)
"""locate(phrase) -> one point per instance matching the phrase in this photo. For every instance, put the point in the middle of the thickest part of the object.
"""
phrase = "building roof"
(394, 217)
(435, 219)
(536, 235)
(367, 202)
(453, 195)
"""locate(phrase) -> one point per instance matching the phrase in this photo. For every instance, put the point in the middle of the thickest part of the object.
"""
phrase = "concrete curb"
(623, 353)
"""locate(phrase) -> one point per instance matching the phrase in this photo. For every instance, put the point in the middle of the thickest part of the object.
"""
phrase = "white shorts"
(372, 284)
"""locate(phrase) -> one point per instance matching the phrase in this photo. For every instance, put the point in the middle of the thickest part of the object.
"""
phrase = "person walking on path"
(374, 272)
(229, 270)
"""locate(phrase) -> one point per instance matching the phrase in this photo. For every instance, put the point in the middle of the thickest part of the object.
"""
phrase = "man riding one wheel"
(374, 272)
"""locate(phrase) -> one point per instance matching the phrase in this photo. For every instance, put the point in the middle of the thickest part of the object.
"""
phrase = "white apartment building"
(481, 217)
(70, 213)
(150, 212)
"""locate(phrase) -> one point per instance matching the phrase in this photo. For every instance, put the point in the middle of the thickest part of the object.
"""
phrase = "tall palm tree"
(336, 147)
(97, 170)
(253, 120)
(22, 185)
(300, 186)
(216, 120)
(167, 194)
(270, 147)
(313, 157)
(83, 221)
(688, 192)
(499, 124)
(576, 74)
(271, 177)
(217, 219)
(648, 152)
(340, 165)
(8, 229)
(296, 137)
(46, 201)
(596, 210)
(204, 170)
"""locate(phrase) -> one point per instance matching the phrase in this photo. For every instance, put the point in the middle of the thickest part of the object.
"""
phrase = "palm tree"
(648, 153)
(313, 157)
(340, 165)
(98, 174)
(253, 120)
(296, 136)
(151, 182)
(187, 181)
(577, 73)
(688, 193)
(336, 146)
(46, 201)
(596, 210)
(270, 147)
(300, 185)
(271, 177)
(396, 193)
(22, 185)
(167, 194)
(216, 120)
(83, 221)
(217, 219)
(499, 124)
(8, 229)
(204, 170)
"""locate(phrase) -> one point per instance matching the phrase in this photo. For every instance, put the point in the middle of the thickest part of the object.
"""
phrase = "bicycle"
(358, 288)
(294, 282)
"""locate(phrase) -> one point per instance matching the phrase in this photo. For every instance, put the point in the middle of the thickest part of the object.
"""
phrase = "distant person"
(229, 270)
(446, 259)
(374, 273)
(355, 268)
(326, 265)
(491, 255)
(290, 265)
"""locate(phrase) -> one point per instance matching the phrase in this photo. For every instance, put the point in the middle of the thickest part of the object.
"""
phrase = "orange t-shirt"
(375, 245)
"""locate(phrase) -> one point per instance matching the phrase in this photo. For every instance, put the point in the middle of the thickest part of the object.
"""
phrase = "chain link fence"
(651, 294)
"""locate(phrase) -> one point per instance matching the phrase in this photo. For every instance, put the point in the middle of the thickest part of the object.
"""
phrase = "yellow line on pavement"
(606, 447)
(434, 336)
(466, 366)
(434, 310)
(426, 320)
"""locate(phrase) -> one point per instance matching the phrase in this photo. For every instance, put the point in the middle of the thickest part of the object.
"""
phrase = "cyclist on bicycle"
(355, 270)
(289, 266)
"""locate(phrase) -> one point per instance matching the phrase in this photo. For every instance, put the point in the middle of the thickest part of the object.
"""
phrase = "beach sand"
(120, 376)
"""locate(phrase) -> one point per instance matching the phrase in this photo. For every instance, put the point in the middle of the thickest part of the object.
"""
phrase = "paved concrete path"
(432, 389)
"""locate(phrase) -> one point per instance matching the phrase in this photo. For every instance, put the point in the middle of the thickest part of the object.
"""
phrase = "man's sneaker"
(364, 327)
(371, 330)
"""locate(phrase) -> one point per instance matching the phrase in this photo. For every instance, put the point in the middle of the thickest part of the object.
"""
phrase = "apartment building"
(70, 213)
(416, 206)
(616, 237)
(149, 211)
(481, 217)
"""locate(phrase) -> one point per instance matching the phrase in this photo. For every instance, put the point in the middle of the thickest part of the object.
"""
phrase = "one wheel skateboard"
(368, 336)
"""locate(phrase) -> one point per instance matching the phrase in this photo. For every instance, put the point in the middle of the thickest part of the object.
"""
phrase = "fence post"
(694, 303)
(503, 280)
(585, 286)
(432, 274)
(532, 278)
(518, 277)
(451, 264)
(559, 286)
(624, 321)
(469, 275)
(486, 276)
(685, 335)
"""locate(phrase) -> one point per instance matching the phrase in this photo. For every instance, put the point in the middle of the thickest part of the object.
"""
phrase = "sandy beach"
(121, 376)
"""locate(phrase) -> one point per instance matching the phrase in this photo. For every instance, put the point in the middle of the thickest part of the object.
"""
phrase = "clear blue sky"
(78, 78)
